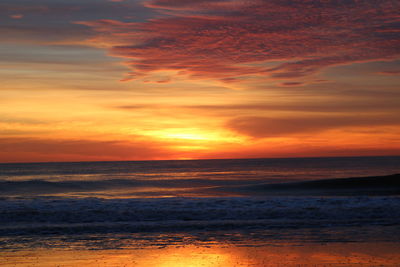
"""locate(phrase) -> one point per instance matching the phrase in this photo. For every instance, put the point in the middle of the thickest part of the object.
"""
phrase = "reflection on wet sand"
(220, 255)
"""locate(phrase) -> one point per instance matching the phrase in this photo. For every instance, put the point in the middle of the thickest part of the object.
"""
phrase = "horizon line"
(157, 160)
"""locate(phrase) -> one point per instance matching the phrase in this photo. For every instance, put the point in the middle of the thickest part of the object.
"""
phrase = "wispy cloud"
(223, 39)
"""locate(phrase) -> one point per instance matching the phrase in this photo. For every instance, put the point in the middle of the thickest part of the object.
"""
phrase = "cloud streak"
(27, 149)
(261, 127)
(227, 39)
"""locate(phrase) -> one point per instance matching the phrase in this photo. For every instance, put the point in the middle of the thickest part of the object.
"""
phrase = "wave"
(377, 185)
(45, 187)
(374, 185)
(53, 215)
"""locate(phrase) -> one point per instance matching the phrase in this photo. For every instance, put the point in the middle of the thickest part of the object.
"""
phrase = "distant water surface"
(179, 177)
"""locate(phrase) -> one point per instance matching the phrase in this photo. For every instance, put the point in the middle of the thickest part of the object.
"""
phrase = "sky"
(100, 80)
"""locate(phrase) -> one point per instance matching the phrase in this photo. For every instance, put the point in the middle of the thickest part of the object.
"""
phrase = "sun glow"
(194, 135)
(188, 136)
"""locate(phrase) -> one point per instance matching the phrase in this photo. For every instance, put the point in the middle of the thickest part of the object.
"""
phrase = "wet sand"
(216, 255)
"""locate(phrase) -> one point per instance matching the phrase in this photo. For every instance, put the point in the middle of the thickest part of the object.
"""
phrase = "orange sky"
(185, 79)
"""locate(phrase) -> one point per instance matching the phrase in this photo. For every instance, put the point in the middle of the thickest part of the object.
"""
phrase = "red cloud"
(223, 39)
(292, 84)
(389, 72)
(16, 16)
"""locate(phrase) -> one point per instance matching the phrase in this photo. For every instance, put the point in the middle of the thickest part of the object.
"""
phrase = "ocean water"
(103, 205)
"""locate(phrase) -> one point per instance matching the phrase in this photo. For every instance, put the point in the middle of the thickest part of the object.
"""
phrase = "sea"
(158, 204)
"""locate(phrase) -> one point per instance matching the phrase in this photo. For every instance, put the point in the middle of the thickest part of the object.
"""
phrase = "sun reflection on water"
(215, 255)
(190, 257)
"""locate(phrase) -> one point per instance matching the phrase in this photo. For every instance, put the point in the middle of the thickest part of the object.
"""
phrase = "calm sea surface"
(178, 178)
